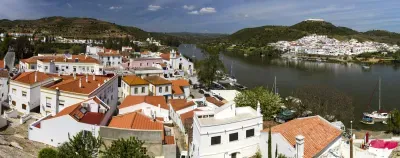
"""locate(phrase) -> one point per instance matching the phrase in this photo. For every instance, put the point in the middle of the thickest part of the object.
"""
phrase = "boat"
(366, 67)
(378, 116)
(384, 122)
(319, 59)
(367, 120)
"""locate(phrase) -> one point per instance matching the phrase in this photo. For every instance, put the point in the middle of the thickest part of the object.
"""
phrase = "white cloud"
(115, 8)
(207, 10)
(194, 12)
(69, 5)
(153, 7)
(188, 7)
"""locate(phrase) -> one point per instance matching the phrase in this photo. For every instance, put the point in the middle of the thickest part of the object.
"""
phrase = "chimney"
(299, 146)
(258, 108)
(87, 78)
(159, 108)
(35, 76)
(94, 77)
(74, 74)
(80, 82)
(98, 85)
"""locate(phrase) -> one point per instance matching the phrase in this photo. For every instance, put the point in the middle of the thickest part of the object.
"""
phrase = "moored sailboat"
(378, 116)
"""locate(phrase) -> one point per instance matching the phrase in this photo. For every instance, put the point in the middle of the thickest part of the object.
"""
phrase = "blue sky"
(217, 16)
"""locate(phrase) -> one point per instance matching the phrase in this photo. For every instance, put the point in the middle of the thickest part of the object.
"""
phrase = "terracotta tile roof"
(145, 53)
(74, 111)
(111, 51)
(108, 54)
(135, 120)
(72, 85)
(4, 73)
(177, 86)
(318, 133)
(29, 77)
(214, 101)
(46, 59)
(188, 115)
(169, 140)
(156, 80)
(152, 100)
(179, 104)
(165, 56)
(133, 80)
(163, 64)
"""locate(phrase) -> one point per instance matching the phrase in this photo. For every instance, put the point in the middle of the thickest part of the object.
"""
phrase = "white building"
(176, 61)
(159, 86)
(94, 50)
(64, 64)
(24, 92)
(152, 106)
(127, 49)
(4, 78)
(227, 131)
(69, 90)
(133, 85)
(110, 59)
(180, 89)
(88, 115)
(302, 138)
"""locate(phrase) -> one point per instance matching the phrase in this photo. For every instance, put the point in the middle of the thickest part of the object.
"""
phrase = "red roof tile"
(318, 133)
(169, 140)
(29, 77)
(177, 86)
(157, 80)
(179, 104)
(134, 80)
(135, 120)
(153, 100)
(70, 84)
(214, 101)
(188, 115)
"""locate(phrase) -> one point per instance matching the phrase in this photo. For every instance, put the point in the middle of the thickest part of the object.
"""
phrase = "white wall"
(112, 61)
(55, 131)
(3, 88)
(147, 109)
(130, 90)
(246, 146)
(284, 146)
(156, 92)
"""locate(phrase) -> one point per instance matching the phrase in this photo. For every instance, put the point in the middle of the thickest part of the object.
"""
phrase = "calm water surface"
(349, 78)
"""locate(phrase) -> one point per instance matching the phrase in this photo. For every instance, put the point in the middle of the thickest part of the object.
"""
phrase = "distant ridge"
(261, 36)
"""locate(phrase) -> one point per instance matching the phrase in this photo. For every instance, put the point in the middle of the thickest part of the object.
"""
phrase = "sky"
(213, 16)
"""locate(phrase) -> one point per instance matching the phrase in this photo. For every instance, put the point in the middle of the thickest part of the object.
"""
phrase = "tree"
(76, 49)
(22, 47)
(258, 154)
(269, 143)
(48, 153)
(324, 101)
(394, 122)
(125, 148)
(4, 46)
(152, 47)
(82, 145)
(269, 102)
(281, 156)
(208, 67)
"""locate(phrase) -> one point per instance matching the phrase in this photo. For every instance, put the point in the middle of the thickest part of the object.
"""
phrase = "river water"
(350, 79)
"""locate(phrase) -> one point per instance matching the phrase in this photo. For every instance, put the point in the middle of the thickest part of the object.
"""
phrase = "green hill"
(86, 28)
(261, 36)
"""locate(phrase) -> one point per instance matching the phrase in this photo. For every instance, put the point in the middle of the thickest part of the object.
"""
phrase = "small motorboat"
(367, 120)
(384, 122)
(366, 67)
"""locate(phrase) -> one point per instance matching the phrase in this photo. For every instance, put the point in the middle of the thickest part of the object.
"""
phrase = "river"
(351, 79)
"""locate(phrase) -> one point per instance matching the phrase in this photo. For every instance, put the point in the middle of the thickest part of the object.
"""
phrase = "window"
(140, 64)
(83, 110)
(66, 67)
(48, 101)
(160, 89)
(233, 137)
(45, 67)
(74, 68)
(14, 90)
(13, 103)
(249, 133)
(143, 89)
(61, 103)
(57, 68)
(24, 106)
(136, 90)
(23, 93)
(166, 88)
(216, 140)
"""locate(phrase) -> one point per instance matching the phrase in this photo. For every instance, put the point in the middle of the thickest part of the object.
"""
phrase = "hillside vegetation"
(261, 36)
(88, 28)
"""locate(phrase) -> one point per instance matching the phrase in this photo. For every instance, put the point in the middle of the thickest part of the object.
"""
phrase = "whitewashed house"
(110, 59)
(69, 90)
(151, 106)
(176, 61)
(64, 64)
(24, 92)
(159, 86)
(93, 50)
(180, 89)
(227, 131)
(88, 115)
(302, 138)
(134, 85)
